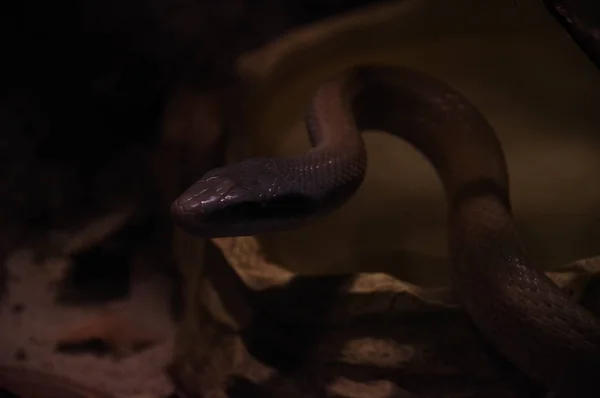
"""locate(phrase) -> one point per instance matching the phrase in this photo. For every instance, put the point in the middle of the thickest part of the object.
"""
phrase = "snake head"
(248, 198)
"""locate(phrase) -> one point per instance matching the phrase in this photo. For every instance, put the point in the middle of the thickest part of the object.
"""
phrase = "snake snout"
(202, 199)
(222, 207)
(204, 194)
(242, 199)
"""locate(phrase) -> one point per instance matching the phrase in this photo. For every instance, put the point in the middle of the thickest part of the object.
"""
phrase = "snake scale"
(521, 312)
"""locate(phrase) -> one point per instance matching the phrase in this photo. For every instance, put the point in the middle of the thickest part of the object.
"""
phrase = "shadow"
(102, 272)
(290, 339)
(296, 331)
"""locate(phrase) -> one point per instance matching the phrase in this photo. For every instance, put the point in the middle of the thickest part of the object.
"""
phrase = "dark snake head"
(248, 198)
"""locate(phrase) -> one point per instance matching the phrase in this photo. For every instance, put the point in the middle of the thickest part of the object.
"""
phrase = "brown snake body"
(526, 317)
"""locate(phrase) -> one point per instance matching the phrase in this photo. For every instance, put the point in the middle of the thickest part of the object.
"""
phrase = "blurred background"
(513, 61)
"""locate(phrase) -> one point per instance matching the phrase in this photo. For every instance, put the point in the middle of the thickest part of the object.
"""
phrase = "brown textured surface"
(23, 382)
(362, 335)
(32, 322)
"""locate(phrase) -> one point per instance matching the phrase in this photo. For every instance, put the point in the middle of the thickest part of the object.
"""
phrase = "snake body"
(523, 314)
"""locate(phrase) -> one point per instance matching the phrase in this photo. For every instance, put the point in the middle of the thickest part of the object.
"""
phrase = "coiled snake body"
(527, 318)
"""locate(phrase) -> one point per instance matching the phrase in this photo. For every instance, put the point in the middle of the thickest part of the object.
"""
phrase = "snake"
(542, 331)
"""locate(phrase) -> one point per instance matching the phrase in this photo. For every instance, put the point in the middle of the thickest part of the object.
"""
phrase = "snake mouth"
(249, 217)
(283, 207)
